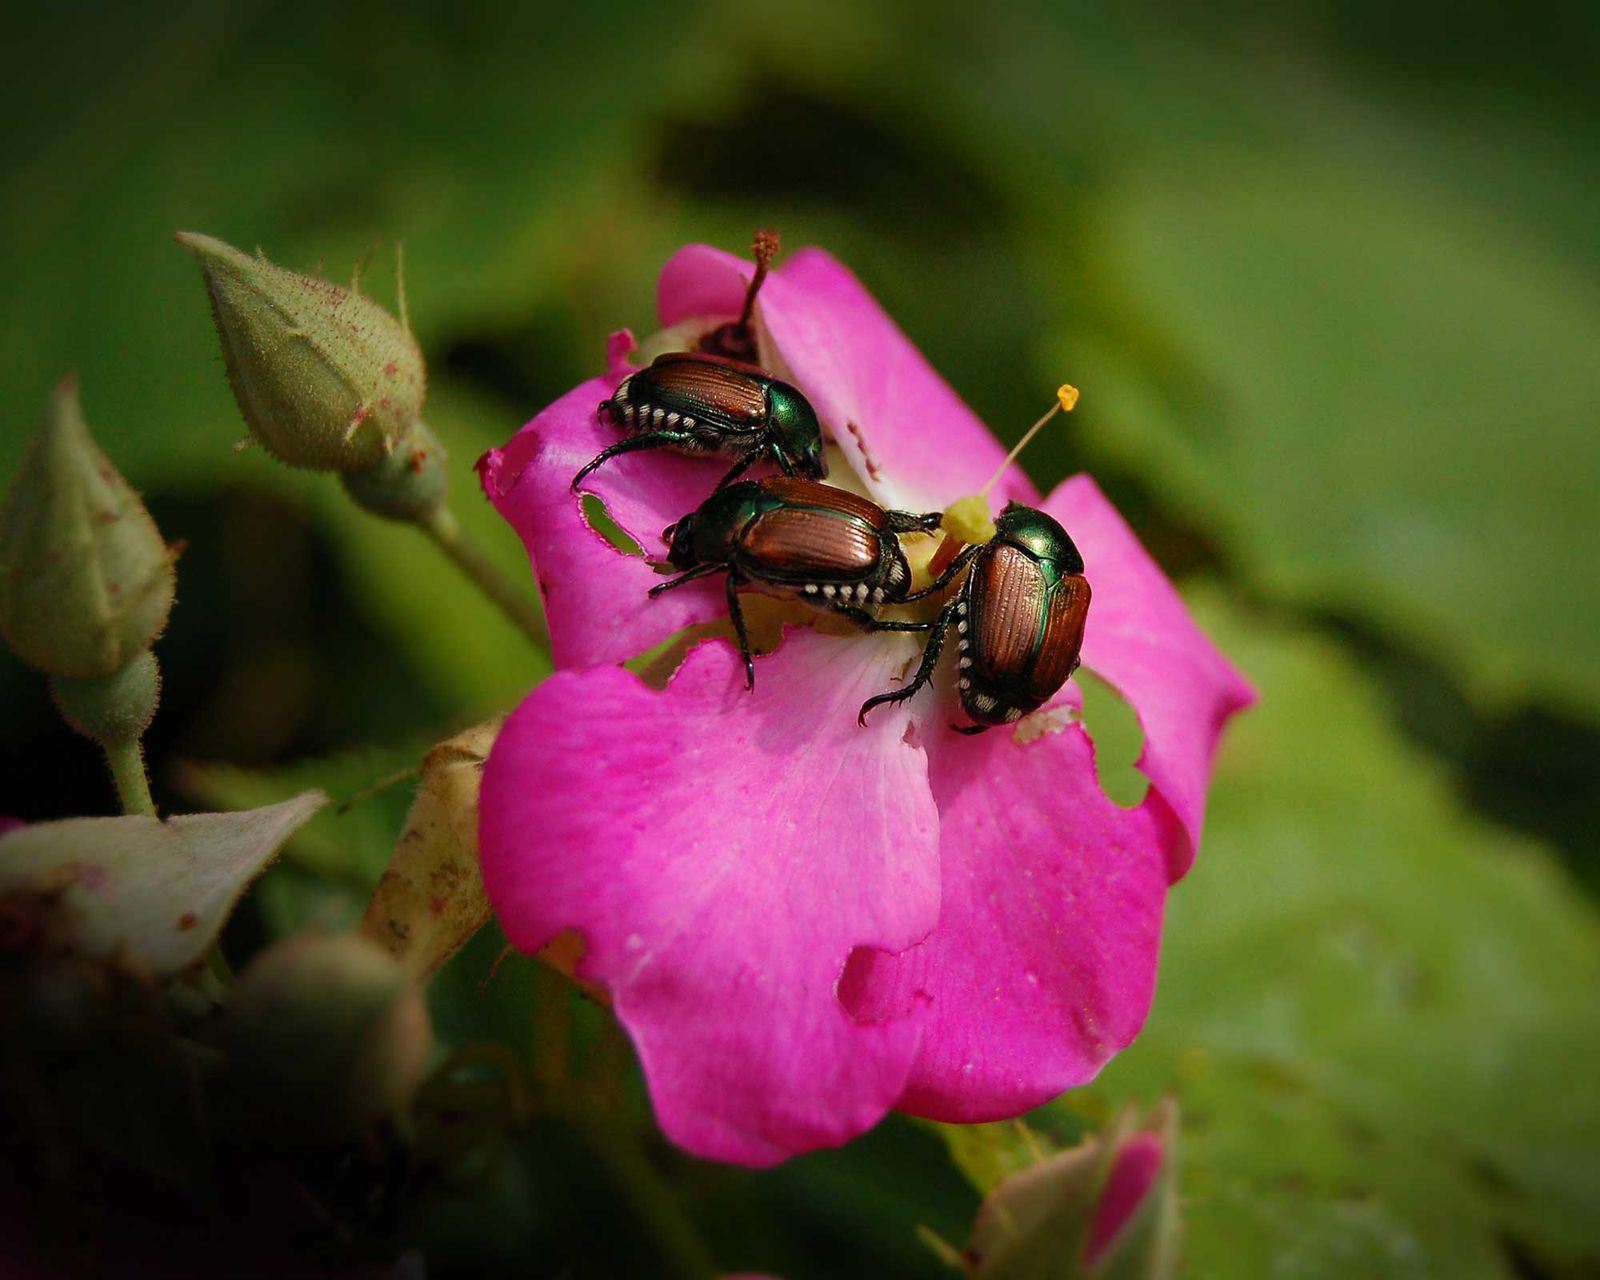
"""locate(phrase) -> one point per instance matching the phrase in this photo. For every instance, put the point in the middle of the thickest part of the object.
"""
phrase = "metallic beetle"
(794, 537)
(694, 402)
(1019, 616)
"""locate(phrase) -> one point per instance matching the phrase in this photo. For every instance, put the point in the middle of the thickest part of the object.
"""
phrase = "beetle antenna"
(1066, 401)
(764, 248)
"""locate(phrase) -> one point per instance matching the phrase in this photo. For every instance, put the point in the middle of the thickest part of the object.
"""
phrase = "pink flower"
(804, 923)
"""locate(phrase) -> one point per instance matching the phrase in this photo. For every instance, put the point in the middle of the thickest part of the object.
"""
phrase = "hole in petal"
(599, 519)
(1118, 740)
(866, 1002)
(764, 617)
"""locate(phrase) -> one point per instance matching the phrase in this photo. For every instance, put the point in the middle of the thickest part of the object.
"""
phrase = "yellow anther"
(968, 519)
(1066, 401)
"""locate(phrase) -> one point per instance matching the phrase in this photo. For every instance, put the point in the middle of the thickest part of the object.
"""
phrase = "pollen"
(968, 519)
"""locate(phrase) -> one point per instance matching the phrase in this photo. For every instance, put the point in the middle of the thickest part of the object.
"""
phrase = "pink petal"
(594, 595)
(1044, 961)
(1133, 1173)
(1142, 639)
(722, 853)
(909, 437)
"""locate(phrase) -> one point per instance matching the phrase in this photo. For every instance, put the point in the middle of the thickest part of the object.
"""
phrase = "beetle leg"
(648, 440)
(739, 468)
(912, 522)
(972, 729)
(930, 660)
(867, 622)
(736, 612)
(699, 571)
(943, 580)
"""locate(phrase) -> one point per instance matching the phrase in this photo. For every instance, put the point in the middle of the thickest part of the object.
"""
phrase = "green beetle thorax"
(799, 434)
(711, 534)
(1040, 536)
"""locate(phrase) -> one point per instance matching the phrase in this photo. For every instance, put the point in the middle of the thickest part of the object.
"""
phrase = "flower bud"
(86, 582)
(325, 1036)
(324, 376)
(1134, 1230)
(1104, 1210)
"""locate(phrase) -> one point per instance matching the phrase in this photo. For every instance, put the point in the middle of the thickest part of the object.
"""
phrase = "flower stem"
(442, 526)
(126, 759)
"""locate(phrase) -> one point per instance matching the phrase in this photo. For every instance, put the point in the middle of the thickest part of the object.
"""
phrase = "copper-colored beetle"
(1019, 617)
(694, 402)
(789, 536)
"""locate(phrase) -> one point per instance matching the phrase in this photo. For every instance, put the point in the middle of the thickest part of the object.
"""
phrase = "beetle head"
(1040, 535)
(797, 431)
(679, 538)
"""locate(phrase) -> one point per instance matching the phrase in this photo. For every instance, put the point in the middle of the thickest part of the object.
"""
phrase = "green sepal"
(86, 583)
(114, 708)
(407, 484)
(324, 376)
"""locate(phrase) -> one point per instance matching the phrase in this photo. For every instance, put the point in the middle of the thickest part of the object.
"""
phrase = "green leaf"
(154, 892)
(331, 866)
(1379, 404)
(1376, 1013)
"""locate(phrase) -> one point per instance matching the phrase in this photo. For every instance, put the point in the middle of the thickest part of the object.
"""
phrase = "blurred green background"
(1326, 274)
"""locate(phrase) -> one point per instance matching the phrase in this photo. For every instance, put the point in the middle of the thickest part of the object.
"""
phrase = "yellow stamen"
(967, 519)
(1066, 401)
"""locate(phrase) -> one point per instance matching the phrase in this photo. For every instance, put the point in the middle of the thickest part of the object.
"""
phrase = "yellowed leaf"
(430, 900)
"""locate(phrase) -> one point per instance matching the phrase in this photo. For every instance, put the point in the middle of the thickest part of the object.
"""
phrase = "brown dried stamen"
(737, 339)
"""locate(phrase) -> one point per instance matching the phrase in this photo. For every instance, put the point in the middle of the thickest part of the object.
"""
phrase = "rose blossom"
(803, 923)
